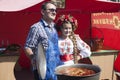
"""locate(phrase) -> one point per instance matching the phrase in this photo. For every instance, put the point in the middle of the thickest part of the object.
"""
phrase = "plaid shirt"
(37, 35)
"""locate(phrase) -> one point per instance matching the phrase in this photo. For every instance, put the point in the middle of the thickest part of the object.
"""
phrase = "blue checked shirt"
(37, 34)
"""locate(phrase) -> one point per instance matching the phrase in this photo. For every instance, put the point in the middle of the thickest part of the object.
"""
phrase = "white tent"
(17, 5)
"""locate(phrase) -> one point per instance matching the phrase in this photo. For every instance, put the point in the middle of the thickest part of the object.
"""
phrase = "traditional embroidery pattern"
(66, 46)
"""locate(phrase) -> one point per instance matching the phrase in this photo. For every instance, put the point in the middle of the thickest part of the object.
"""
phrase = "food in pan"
(74, 71)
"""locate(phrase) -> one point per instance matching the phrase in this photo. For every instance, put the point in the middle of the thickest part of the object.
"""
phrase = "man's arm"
(29, 53)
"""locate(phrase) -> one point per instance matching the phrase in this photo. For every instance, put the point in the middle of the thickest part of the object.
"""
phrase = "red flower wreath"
(69, 18)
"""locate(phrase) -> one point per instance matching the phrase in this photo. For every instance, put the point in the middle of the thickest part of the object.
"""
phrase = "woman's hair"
(66, 19)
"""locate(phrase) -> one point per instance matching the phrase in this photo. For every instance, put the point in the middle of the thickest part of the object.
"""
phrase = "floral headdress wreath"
(65, 18)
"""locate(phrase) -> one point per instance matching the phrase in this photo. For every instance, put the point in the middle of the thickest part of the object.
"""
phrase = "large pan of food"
(78, 72)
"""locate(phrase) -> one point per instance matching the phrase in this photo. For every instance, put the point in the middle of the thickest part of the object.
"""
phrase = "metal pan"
(41, 61)
(88, 66)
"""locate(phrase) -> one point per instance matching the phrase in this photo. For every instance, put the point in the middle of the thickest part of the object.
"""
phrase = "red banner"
(106, 20)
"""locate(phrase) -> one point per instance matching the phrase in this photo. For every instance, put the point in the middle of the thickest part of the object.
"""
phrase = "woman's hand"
(79, 57)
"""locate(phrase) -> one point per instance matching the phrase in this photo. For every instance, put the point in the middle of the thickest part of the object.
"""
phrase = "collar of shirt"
(46, 24)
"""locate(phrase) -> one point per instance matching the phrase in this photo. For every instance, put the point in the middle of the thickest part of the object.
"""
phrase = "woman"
(72, 47)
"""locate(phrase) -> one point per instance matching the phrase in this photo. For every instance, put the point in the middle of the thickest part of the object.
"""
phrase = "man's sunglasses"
(52, 10)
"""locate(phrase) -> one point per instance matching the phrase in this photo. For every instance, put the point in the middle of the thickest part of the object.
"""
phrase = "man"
(44, 32)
